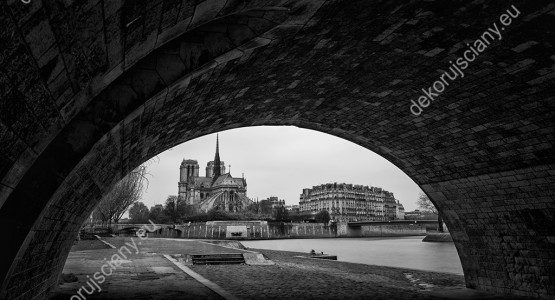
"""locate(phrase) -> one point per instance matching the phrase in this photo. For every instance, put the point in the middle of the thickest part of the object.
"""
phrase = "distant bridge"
(392, 222)
(129, 228)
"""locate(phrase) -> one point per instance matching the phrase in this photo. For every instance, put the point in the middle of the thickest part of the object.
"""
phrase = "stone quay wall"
(282, 231)
(393, 230)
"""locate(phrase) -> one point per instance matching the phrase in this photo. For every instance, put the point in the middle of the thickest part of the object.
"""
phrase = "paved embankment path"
(149, 275)
(143, 275)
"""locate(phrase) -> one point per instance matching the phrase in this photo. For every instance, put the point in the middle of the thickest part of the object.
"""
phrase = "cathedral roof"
(202, 181)
(223, 180)
(227, 180)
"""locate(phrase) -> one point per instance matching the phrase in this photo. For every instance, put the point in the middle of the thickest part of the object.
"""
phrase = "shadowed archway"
(84, 102)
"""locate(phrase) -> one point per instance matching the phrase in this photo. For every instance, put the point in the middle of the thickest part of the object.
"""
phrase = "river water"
(404, 252)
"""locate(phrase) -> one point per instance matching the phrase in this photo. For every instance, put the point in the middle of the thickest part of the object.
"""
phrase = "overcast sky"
(281, 161)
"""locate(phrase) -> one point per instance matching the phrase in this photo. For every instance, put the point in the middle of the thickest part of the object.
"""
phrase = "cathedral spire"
(217, 163)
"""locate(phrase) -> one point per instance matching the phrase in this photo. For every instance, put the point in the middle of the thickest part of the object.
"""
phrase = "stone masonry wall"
(503, 224)
(88, 92)
(285, 231)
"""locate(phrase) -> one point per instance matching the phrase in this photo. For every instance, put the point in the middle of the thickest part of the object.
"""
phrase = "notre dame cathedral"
(217, 190)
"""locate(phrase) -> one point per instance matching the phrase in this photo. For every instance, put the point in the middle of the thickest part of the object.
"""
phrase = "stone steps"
(218, 259)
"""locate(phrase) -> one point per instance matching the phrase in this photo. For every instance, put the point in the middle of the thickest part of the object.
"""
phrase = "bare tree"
(426, 205)
(126, 192)
(102, 213)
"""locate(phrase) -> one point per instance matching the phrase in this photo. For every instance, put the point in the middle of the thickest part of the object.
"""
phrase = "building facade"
(348, 202)
(292, 208)
(276, 202)
(400, 213)
(217, 189)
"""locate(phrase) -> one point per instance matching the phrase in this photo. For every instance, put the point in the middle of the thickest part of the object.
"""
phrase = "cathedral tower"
(187, 171)
(212, 169)
(217, 163)
(189, 168)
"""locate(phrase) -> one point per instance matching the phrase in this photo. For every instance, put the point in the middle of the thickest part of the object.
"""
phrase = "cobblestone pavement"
(303, 278)
(148, 275)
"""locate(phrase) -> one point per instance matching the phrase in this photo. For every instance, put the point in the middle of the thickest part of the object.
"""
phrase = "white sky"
(281, 161)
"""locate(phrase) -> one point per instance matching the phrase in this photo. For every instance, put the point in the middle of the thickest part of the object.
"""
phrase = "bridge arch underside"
(80, 107)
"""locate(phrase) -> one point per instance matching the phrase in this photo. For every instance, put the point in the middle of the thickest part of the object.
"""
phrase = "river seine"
(404, 252)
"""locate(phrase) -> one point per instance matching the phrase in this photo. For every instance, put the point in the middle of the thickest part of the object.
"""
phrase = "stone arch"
(346, 68)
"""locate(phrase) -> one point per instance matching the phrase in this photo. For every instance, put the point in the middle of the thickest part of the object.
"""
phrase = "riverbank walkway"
(148, 273)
